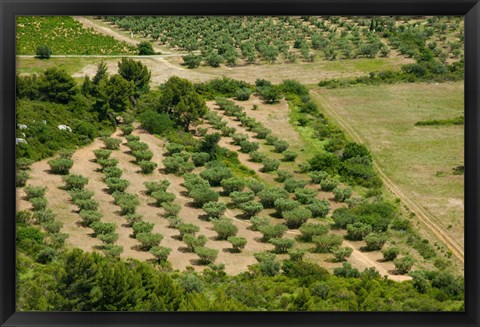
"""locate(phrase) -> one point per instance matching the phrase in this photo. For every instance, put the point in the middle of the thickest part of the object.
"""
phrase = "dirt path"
(428, 219)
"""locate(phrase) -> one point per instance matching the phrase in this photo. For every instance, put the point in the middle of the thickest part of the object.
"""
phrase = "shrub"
(192, 181)
(317, 176)
(243, 94)
(53, 227)
(328, 184)
(75, 182)
(87, 204)
(327, 162)
(107, 163)
(145, 155)
(289, 156)
(112, 251)
(232, 184)
(147, 167)
(173, 148)
(38, 203)
(145, 48)
(80, 195)
(46, 255)
(271, 231)
(171, 209)
(256, 156)
(206, 255)
(341, 254)
(60, 166)
(309, 230)
(185, 228)
(21, 178)
(271, 139)
(292, 184)
(133, 218)
(296, 254)
(270, 194)
(238, 243)
(282, 245)
(90, 216)
(248, 147)
(215, 174)
(403, 265)
(267, 264)
(304, 167)
(375, 241)
(35, 191)
(280, 146)
(285, 204)
(102, 153)
(269, 165)
(173, 222)
(162, 197)
(127, 203)
(283, 175)
(326, 243)
(137, 146)
(43, 52)
(200, 158)
(319, 208)
(251, 208)
(261, 132)
(258, 221)
(296, 217)
(111, 143)
(241, 197)
(192, 61)
(255, 185)
(357, 231)
(238, 138)
(343, 217)
(161, 253)
(23, 163)
(156, 186)
(224, 228)
(44, 216)
(126, 129)
(142, 227)
(109, 238)
(148, 240)
(342, 194)
(202, 195)
(390, 254)
(103, 228)
(116, 184)
(192, 242)
(214, 209)
(132, 138)
(228, 131)
(305, 196)
(346, 271)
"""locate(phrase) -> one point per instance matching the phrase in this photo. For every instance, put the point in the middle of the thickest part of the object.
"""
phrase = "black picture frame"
(470, 9)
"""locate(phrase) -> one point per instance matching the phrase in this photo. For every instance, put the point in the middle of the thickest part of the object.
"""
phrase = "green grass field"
(419, 159)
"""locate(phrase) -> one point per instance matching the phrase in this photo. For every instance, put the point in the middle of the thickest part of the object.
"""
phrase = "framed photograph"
(194, 163)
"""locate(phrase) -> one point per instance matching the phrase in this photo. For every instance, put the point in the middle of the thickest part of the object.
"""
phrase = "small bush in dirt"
(145, 155)
(282, 245)
(23, 163)
(35, 191)
(142, 227)
(133, 218)
(214, 175)
(214, 209)
(112, 172)
(103, 228)
(272, 231)
(200, 158)
(341, 254)
(112, 251)
(309, 230)
(111, 143)
(128, 204)
(291, 184)
(304, 167)
(46, 255)
(173, 222)
(296, 217)
(66, 153)
(319, 208)
(270, 194)
(261, 133)
(256, 156)
(162, 197)
(328, 184)
(25, 217)
(267, 264)
(53, 227)
(126, 129)
(102, 154)
(173, 148)
(238, 243)
(357, 231)
(232, 184)
(43, 52)
(280, 146)
(44, 216)
(90, 216)
(248, 147)
(147, 167)
(202, 131)
(238, 138)
(269, 165)
(185, 228)
(289, 156)
(283, 175)
(149, 240)
(403, 265)
(342, 194)
(271, 139)
(251, 208)
(243, 94)
(192, 181)
(38, 203)
(224, 228)
(171, 209)
(241, 197)
(390, 254)
(109, 238)
(192, 241)
(202, 195)
(343, 217)
(156, 186)
(206, 255)
(60, 166)
(375, 241)
(106, 163)
(228, 131)
(296, 254)
(326, 243)
(317, 176)
(116, 184)
(305, 195)
(77, 182)
(258, 221)
(254, 185)
(137, 146)
(285, 204)
(160, 253)
(132, 138)
(80, 195)
(21, 178)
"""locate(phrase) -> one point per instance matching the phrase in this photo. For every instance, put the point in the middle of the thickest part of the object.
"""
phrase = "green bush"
(309, 230)
(251, 208)
(145, 155)
(162, 197)
(171, 209)
(296, 217)
(261, 132)
(111, 143)
(256, 156)
(173, 148)
(21, 178)
(328, 184)
(270, 194)
(202, 195)
(35, 191)
(292, 184)
(80, 194)
(107, 163)
(215, 174)
(280, 146)
(390, 254)
(53, 227)
(304, 167)
(319, 208)
(375, 241)
(296, 254)
(141, 227)
(238, 243)
(161, 253)
(341, 254)
(185, 228)
(228, 131)
(346, 271)
(283, 175)
(191, 60)
(243, 94)
(224, 228)
(214, 209)
(102, 153)
(133, 218)
(156, 186)
(44, 216)
(282, 245)
(285, 204)
(248, 147)
(148, 240)
(147, 167)
(326, 243)
(206, 255)
(38, 203)
(87, 204)
(156, 123)
(90, 216)
(112, 172)
(145, 48)
(341, 195)
(238, 138)
(23, 163)
(255, 185)
(46, 255)
(289, 156)
(103, 228)
(271, 231)
(29, 233)
(109, 238)
(267, 264)
(193, 242)
(116, 184)
(137, 146)
(232, 184)
(305, 195)
(403, 265)
(317, 176)
(269, 165)
(126, 129)
(60, 166)
(358, 231)
(127, 202)
(77, 182)
(112, 251)
(132, 138)
(43, 52)
(200, 158)
(343, 217)
(241, 197)
(258, 221)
